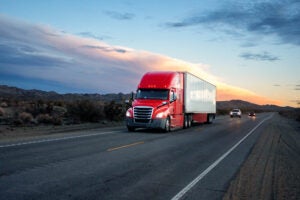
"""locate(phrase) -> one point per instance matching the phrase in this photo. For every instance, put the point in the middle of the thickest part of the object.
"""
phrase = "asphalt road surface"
(194, 163)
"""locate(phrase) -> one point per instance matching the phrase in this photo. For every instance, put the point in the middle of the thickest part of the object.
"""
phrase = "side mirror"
(132, 96)
(173, 97)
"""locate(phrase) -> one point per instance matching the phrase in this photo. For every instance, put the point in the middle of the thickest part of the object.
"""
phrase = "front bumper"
(235, 115)
(152, 124)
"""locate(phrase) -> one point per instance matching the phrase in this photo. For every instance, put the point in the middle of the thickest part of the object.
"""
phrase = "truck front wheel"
(167, 125)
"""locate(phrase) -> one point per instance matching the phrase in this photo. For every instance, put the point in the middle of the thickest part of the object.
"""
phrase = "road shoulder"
(10, 134)
(272, 169)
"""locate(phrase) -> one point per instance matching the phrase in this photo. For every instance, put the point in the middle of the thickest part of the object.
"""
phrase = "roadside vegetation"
(292, 114)
(41, 112)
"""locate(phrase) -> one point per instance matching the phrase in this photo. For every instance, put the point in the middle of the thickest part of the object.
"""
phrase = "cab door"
(175, 108)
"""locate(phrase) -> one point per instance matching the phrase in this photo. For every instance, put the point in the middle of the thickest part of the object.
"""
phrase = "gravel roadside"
(272, 170)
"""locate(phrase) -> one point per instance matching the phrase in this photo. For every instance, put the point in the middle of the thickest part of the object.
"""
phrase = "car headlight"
(160, 115)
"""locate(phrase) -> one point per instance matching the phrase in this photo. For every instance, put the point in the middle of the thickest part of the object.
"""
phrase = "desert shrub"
(56, 120)
(17, 122)
(85, 111)
(59, 110)
(26, 117)
(44, 119)
(292, 114)
(2, 112)
(114, 111)
(3, 105)
(59, 103)
(36, 108)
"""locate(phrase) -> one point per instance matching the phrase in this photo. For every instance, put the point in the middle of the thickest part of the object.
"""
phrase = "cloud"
(106, 48)
(277, 85)
(295, 101)
(265, 56)
(119, 16)
(92, 35)
(281, 18)
(48, 58)
(21, 54)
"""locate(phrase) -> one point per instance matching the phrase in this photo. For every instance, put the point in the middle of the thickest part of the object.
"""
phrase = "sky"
(249, 49)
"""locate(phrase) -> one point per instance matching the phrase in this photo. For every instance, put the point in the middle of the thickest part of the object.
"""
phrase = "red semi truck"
(170, 100)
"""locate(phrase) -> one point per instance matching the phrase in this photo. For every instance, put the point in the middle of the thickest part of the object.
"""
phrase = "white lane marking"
(205, 172)
(56, 139)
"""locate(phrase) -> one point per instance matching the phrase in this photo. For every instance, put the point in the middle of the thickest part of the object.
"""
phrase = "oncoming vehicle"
(236, 113)
(251, 114)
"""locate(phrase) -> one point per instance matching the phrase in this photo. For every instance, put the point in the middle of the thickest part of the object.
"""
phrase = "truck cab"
(158, 103)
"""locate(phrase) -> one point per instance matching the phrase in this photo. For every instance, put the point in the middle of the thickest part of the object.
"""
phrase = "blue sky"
(249, 49)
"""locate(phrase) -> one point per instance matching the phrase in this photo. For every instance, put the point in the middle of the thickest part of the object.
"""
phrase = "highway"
(111, 163)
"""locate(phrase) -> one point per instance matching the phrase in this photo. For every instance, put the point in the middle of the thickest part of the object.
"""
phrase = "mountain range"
(9, 92)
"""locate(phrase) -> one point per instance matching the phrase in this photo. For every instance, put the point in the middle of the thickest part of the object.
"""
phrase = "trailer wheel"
(209, 119)
(167, 125)
(189, 121)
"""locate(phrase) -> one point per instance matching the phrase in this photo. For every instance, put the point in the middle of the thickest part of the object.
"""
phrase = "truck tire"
(167, 125)
(189, 117)
(185, 122)
(210, 119)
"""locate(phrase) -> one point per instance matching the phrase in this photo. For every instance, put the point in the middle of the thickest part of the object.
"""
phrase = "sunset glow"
(244, 63)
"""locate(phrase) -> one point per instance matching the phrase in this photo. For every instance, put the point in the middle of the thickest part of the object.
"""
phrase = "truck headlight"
(160, 115)
(128, 113)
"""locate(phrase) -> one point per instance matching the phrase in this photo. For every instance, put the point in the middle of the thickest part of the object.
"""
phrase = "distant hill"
(247, 106)
(8, 92)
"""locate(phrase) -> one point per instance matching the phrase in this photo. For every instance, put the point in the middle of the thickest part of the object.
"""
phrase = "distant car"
(251, 114)
(236, 113)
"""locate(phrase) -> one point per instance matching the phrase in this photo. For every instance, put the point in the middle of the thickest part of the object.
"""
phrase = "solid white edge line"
(55, 139)
(205, 172)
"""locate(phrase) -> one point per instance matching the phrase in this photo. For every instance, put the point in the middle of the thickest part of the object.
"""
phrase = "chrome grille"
(142, 114)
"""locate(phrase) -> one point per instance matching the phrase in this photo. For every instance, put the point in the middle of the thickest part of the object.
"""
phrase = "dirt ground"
(272, 170)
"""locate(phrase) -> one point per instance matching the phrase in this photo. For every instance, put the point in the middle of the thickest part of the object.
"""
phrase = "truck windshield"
(152, 94)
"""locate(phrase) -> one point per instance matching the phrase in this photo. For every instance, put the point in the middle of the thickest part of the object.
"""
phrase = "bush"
(114, 112)
(56, 120)
(85, 111)
(4, 105)
(2, 112)
(44, 119)
(26, 117)
(59, 110)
